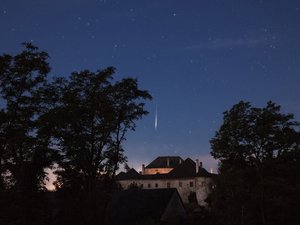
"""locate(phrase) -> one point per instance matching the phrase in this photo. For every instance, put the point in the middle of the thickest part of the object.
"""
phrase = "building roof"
(131, 174)
(187, 169)
(162, 162)
(138, 206)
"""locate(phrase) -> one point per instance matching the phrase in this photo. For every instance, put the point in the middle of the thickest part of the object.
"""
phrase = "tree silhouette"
(88, 123)
(258, 149)
(23, 153)
(78, 122)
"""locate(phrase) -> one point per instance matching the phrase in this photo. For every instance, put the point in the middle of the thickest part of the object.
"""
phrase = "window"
(180, 184)
(191, 184)
(149, 185)
(156, 185)
(168, 185)
(142, 185)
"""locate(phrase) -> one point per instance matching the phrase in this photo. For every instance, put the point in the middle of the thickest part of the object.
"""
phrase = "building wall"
(200, 185)
(203, 188)
(157, 170)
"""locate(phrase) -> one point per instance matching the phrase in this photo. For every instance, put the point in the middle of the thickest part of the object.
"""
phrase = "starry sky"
(196, 57)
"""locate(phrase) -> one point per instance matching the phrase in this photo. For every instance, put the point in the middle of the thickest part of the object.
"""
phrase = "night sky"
(197, 58)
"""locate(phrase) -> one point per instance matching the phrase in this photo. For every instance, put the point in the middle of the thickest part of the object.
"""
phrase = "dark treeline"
(259, 153)
(76, 123)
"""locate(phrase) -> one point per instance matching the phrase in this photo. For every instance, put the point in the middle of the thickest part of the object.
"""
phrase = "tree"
(78, 122)
(127, 107)
(88, 118)
(126, 167)
(23, 153)
(258, 149)
(21, 77)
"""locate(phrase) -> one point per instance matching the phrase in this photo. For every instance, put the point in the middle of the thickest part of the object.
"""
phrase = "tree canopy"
(89, 118)
(22, 151)
(77, 123)
(24, 154)
(259, 153)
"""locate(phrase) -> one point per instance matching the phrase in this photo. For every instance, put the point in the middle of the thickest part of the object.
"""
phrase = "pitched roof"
(137, 206)
(162, 162)
(204, 173)
(131, 174)
(186, 169)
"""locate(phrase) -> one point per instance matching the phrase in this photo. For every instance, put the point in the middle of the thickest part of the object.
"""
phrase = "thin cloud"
(217, 44)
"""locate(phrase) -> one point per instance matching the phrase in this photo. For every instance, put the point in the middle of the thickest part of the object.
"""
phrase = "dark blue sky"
(197, 58)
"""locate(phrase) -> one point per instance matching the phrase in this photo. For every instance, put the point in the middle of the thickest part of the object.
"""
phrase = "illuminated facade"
(186, 176)
(162, 165)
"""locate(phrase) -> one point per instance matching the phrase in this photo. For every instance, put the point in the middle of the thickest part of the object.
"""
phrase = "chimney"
(168, 162)
(211, 170)
(180, 161)
(197, 166)
(143, 169)
(200, 165)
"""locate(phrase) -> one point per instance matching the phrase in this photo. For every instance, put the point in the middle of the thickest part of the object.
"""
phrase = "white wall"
(200, 185)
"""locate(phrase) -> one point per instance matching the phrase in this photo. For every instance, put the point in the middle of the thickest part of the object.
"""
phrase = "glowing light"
(156, 120)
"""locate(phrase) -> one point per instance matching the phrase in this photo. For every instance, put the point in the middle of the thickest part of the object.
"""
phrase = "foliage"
(258, 149)
(88, 121)
(134, 185)
(126, 167)
(21, 78)
(77, 123)
(24, 154)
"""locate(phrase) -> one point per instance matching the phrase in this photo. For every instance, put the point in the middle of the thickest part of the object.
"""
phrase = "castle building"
(162, 165)
(187, 176)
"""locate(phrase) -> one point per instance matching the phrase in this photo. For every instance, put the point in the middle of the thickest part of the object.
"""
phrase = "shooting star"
(155, 121)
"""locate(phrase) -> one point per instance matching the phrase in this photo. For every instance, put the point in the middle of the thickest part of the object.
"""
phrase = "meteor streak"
(155, 121)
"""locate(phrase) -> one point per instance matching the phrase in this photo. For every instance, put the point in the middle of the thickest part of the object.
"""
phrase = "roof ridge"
(165, 162)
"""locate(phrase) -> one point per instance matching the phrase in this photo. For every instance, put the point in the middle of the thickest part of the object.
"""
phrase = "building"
(162, 165)
(187, 176)
(138, 206)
